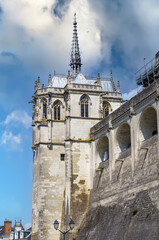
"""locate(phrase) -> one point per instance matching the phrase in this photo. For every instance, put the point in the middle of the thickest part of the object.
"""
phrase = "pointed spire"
(49, 81)
(111, 79)
(75, 61)
(118, 87)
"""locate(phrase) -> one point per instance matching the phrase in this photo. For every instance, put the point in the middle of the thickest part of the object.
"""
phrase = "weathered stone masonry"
(63, 113)
(93, 154)
(125, 195)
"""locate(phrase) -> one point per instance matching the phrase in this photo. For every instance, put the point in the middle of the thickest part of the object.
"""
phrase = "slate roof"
(1, 230)
(60, 81)
(27, 234)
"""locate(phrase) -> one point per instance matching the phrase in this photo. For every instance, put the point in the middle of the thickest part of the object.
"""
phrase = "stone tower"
(63, 165)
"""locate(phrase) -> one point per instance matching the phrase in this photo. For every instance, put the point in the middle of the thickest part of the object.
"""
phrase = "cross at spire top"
(75, 61)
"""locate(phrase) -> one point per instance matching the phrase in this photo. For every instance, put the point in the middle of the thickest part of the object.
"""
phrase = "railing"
(145, 72)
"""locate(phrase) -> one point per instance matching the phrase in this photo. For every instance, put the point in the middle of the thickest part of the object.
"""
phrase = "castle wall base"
(127, 207)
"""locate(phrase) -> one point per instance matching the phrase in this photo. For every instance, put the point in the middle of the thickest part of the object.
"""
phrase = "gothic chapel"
(63, 157)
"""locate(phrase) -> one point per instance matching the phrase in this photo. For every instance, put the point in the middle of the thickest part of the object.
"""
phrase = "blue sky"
(35, 40)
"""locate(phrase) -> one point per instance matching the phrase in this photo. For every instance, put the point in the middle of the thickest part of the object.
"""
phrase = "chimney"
(7, 227)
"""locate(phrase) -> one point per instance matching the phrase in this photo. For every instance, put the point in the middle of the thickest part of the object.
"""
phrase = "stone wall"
(127, 207)
(133, 220)
(80, 180)
(48, 192)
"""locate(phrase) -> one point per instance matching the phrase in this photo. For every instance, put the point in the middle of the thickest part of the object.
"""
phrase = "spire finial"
(75, 61)
(74, 22)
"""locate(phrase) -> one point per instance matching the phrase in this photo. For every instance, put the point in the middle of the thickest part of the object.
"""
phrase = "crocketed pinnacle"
(118, 87)
(111, 79)
(75, 61)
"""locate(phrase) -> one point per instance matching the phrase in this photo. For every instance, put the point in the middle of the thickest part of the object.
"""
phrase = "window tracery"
(84, 106)
(44, 108)
(106, 109)
(57, 110)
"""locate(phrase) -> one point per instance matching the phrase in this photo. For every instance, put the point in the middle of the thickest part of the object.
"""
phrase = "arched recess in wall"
(123, 137)
(85, 103)
(106, 109)
(44, 107)
(148, 123)
(57, 110)
(103, 148)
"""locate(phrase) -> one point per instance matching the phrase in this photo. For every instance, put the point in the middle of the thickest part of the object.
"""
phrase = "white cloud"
(11, 142)
(27, 226)
(132, 93)
(18, 116)
(8, 137)
(40, 38)
(130, 27)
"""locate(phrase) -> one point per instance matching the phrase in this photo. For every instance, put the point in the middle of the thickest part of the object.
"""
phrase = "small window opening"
(57, 115)
(154, 132)
(44, 110)
(62, 157)
(105, 109)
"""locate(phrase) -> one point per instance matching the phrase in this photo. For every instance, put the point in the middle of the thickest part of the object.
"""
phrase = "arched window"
(84, 105)
(124, 137)
(44, 108)
(148, 123)
(57, 110)
(103, 148)
(106, 109)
